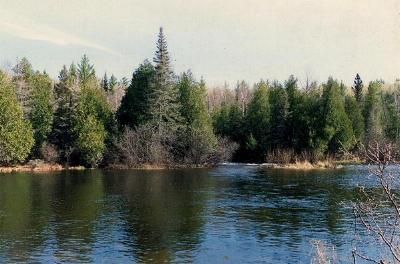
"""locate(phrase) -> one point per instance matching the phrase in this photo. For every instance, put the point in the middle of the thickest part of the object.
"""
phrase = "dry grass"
(288, 159)
(37, 166)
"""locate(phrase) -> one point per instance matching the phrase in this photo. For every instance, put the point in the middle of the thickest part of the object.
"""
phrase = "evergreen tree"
(113, 82)
(199, 141)
(164, 105)
(16, 134)
(23, 69)
(337, 129)
(23, 73)
(73, 74)
(93, 125)
(258, 119)
(391, 115)
(356, 117)
(104, 83)
(292, 116)
(41, 114)
(86, 70)
(358, 88)
(63, 135)
(192, 100)
(279, 114)
(373, 112)
(134, 109)
(63, 75)
(91, 136)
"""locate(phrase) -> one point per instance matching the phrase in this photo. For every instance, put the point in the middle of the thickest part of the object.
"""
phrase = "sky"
(219, 40)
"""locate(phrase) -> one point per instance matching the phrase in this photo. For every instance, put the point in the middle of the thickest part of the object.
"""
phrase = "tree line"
(163, 119)
(281, 122)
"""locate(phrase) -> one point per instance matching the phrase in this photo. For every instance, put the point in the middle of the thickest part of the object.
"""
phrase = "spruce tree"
(358, 88)
(164, 104)
(86, 70)
(62, 134)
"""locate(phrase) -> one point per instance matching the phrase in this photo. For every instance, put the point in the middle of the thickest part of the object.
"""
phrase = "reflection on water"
(223, 215)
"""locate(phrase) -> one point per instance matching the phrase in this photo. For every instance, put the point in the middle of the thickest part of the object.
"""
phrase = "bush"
(142, 146)
(225, 150)
(49, 153)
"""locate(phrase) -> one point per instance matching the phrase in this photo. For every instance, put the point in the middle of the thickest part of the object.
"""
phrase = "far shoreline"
(300, 166)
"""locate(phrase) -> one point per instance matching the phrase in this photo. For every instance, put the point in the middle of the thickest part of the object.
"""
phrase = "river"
(229, 214)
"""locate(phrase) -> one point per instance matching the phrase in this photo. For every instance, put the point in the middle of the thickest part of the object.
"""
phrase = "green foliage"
(90, 142)
(164, 104)
(113, 82)
(86, 70)
(391, 117)
(373, 112)
(104, 83)
(94, 121)
(279, 114)
(199, 140)
(258, 118)
(358, 88)
(337, 129)
(192, 97)
(41, 105)
(134, 109)
(355, 113)
(63, 135)
(16, 134)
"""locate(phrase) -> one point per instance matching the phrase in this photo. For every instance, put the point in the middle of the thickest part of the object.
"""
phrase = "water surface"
(230, 214)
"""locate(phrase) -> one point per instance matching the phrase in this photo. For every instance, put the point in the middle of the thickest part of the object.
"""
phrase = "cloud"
(30, 30)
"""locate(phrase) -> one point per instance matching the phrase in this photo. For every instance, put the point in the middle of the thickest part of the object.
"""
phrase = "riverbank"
(35, 166)
(304, 165)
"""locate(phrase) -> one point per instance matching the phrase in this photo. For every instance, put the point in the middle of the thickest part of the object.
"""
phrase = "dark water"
(231, 214)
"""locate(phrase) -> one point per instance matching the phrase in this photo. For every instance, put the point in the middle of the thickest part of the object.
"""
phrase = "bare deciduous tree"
(378, 211)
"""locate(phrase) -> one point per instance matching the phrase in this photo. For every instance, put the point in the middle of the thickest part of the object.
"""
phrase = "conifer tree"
(134, 109)
(104, 83)
(259, 117)
(164, 105)
(199, 141)
(41, 105)
(356, 117)
(358, 88)
(279, 114)
(337, 129)
(86, 70)
(113, 82)
(16, 134)
(62, 134)
(373, 112)
(63, 75)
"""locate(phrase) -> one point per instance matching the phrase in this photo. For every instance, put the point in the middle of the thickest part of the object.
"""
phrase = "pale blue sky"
(220, 40)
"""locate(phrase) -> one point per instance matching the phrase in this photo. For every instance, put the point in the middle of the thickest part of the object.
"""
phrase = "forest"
(160, 118)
